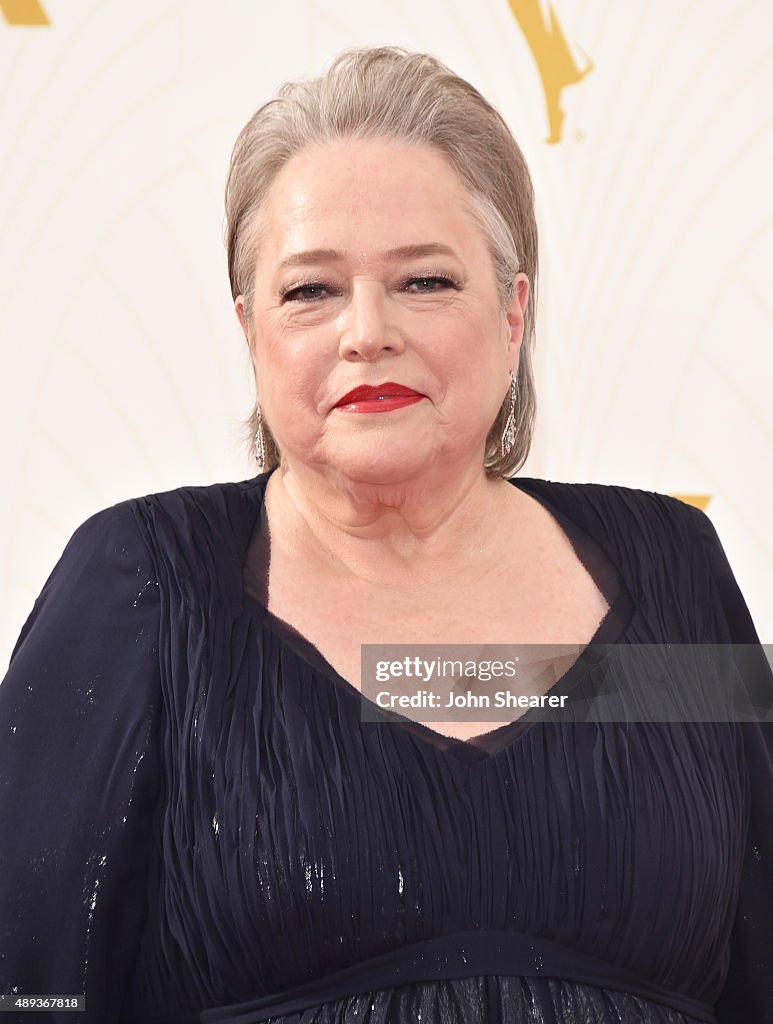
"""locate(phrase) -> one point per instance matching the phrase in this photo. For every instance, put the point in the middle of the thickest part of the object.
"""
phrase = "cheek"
(292, 371)
(278, 348)
(469, 349)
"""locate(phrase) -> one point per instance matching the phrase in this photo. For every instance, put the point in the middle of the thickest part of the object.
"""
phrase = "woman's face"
(372, 271)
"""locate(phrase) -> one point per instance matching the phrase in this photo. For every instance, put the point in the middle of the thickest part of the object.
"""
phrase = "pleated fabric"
(199, 827)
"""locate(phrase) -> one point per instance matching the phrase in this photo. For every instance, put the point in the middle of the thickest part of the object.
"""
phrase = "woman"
(197, 823)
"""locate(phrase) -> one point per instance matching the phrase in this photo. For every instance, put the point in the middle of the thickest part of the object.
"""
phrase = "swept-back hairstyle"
(388, 92)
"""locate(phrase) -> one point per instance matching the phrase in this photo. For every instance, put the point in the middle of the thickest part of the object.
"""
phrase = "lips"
(367, 393)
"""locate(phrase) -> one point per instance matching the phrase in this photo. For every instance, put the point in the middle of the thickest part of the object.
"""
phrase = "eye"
(429, 283)
(310, 292)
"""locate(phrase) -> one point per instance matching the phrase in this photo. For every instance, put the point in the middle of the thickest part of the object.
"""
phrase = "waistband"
(443, 958)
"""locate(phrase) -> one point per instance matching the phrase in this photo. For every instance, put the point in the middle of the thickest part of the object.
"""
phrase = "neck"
(380, 531)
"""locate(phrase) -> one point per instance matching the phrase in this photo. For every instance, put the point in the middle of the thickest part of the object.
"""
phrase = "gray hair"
(388, 92)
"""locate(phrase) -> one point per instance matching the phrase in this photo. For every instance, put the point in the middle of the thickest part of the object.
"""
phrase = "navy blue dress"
(197, 826)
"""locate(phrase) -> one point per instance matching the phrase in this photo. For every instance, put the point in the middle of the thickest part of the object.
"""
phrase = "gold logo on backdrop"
(555, 60)
(24, 12)
(698, 500)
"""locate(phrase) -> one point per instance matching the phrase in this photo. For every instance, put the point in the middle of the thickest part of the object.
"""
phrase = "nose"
(366, 326)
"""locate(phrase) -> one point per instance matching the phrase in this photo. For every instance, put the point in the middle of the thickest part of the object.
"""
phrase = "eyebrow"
(391, 255)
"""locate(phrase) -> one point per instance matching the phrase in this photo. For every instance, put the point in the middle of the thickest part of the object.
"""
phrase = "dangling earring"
(508, 430)
(260, 441)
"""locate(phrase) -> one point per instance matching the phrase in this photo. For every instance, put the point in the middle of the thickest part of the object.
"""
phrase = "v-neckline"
(474, 750)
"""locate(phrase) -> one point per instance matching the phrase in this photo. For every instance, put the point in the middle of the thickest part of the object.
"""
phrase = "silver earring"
(260, 441)
(508, 430)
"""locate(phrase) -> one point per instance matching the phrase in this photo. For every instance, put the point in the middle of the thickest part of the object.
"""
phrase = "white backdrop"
(124, 371)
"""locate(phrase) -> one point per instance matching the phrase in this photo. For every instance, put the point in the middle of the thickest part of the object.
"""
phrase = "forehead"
(364, 196)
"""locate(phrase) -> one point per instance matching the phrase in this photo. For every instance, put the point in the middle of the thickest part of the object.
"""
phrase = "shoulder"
(219, 495)
(222, 507)
(134, 541)
(190, 540)
(670, 550)
(605, 509)
(216, 499)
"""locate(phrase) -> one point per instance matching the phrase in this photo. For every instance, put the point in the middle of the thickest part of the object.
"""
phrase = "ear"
(516, 312)
(239, 307)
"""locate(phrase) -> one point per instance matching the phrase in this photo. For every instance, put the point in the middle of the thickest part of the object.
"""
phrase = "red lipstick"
(378, 398)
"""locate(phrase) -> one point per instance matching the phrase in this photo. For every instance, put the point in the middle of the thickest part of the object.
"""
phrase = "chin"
(382, 467)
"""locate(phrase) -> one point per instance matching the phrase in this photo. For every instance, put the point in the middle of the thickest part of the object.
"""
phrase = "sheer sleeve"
(747, 995)
(78, 773)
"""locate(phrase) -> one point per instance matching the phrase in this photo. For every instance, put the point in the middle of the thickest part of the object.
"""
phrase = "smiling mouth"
(379, 394)
(378, 398)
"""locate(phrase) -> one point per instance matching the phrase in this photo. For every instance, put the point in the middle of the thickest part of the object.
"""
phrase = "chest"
(544, 598)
